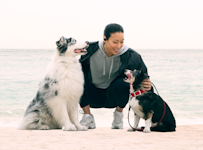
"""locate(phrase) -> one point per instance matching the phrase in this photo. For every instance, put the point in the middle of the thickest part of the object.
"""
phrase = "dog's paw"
(70, 127)
(146, 130)
(33, 126)
(44, 127)
(82, 128)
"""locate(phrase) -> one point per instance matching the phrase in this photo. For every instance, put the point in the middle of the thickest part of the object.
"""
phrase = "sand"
(187, 137)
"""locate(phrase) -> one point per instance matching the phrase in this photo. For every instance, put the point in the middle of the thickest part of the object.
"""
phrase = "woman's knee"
(119, 92)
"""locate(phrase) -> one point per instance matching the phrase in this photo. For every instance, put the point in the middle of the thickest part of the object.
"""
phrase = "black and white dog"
(148, 105)
(56, 103)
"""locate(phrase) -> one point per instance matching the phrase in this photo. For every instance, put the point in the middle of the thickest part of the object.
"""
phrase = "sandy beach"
(102, 138)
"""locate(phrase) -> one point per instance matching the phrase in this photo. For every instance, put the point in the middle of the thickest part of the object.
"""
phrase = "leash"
(142, 128)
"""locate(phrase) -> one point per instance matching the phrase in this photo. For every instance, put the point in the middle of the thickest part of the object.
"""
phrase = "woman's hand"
(146, 84)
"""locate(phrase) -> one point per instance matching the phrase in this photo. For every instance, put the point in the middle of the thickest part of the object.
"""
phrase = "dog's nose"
(87, 42)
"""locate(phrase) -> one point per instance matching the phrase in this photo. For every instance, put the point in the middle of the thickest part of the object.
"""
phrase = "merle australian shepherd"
(55, 105)
(148, 105)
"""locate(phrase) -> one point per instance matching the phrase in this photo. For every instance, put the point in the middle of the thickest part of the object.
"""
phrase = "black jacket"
(129, 60)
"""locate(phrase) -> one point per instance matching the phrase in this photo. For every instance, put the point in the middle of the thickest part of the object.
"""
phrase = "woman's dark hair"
(112, 28)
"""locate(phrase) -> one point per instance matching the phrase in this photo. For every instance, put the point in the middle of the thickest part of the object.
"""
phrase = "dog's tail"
(29, 122)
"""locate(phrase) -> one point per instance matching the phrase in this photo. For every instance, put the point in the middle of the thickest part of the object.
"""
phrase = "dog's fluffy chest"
(134, 103)
(69, 77)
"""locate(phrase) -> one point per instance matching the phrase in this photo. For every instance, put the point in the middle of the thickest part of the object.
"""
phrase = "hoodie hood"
(104, 69)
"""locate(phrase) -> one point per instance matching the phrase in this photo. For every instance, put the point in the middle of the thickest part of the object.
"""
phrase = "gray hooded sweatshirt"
(104, 69)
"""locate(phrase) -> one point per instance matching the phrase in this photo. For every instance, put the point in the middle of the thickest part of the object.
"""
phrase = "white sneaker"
(118, 120)
(88, 121)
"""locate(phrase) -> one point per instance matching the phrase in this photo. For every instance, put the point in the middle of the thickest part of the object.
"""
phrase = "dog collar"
(136, 93)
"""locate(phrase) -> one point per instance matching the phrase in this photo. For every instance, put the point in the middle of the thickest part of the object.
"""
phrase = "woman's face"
(114, 43)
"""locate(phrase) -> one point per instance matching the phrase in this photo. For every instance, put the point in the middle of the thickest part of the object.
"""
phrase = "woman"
(103, 68)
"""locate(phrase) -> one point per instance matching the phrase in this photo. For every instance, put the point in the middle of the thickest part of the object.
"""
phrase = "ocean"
(176, 73)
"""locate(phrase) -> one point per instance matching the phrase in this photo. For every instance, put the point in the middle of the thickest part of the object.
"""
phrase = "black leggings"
(117, 94)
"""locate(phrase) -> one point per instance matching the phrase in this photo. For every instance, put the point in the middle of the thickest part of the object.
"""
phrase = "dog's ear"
(142, 70)
(143, 74)
(62, 45)
(62, 38)
(146, 76)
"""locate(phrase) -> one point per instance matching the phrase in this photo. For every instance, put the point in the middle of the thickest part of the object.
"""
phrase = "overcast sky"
(148, 24)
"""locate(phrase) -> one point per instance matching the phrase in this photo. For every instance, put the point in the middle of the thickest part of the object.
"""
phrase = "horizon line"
(132, 48)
